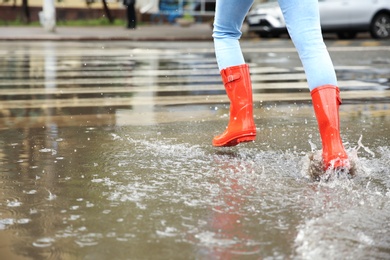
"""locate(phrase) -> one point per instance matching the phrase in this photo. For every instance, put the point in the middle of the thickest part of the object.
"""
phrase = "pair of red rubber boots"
(241, 128)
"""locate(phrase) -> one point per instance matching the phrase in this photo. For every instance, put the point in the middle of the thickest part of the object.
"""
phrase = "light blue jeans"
(303, 24)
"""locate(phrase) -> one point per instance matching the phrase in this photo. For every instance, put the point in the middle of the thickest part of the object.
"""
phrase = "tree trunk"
(107, 12)
(26, 11)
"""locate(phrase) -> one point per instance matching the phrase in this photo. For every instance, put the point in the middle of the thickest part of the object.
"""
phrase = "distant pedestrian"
(303, 24)
(130, 14)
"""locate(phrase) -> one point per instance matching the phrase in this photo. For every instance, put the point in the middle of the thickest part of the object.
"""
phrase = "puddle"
(98, 178)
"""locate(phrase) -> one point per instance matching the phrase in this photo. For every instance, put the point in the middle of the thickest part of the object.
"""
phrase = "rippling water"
(146, 191)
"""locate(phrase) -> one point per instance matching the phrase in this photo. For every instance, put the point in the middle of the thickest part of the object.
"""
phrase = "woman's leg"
(228, 20)
(303, 24)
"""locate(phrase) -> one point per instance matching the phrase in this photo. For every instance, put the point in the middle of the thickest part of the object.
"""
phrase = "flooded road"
(105, 153)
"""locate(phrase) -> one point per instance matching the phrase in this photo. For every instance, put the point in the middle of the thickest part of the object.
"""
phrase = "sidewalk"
(154, 32)
(195, 32)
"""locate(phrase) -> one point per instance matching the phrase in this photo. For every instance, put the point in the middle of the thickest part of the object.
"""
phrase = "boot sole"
(236, 140)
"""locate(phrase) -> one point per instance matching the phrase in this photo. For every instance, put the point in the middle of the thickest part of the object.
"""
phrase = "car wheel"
(263, 34)
(346, 35)
(380, 26)
(268, 35)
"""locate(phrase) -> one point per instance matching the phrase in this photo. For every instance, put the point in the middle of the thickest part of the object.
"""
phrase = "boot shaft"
(326, 101)
(241, 127)
(238, 85)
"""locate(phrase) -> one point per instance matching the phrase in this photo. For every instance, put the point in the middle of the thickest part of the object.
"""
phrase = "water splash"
(312, 164)
(51, 195)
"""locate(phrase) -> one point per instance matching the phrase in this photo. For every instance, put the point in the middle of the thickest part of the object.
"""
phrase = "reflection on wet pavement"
(105, 152)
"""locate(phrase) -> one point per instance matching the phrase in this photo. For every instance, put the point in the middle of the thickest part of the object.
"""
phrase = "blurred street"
(75, 73)
(163, 32)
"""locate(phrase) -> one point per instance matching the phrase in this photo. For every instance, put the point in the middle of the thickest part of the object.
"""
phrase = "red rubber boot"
(241, 127)
(326, 102)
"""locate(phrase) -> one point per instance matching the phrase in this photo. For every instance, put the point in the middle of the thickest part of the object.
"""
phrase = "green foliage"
(188, 17)
(90, 22)
(18, 22)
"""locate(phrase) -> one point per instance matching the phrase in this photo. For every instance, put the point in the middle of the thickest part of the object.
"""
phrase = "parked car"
(344, 17)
